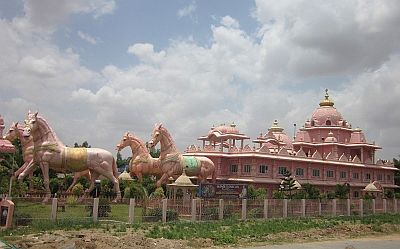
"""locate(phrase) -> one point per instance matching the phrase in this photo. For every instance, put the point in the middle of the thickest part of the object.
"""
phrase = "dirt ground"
(99, 238)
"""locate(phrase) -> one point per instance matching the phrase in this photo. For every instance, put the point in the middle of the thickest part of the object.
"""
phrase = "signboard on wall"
(223, 191)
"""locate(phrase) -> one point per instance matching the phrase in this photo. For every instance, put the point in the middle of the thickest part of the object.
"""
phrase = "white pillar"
(334, 201)
(164, 210)
(373, 206)
(285, 204)
(361, 207)
(221, 209)
(244, 209)
(395, 205)
(348, 207)
(54, 209)
(265, 208)
(384, 206)
(303, 208)
(95, 212)
(193, 209)
(131, 212)
(320, 208)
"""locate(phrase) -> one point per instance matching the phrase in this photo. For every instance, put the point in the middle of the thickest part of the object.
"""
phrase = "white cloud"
(145, 52)
(187, 10)
(229, 22)
(86, 37)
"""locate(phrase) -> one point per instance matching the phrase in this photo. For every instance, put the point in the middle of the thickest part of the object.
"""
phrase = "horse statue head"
(129, 139)
(156, 135)
(31, 124)
(12, 133)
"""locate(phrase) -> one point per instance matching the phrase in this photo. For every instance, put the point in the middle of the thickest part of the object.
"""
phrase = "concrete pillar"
(164, 210)
(54, 209)
(244, 209)
(95, 211)
(303, 208)
(194, 209)
(348, 207)
(131, 211)
(320, 208)
(384, 206)
(265, 208)
(361, 207)
(395, 205)
(373, 206)
(334, 202)
(221, 209)
(285, 209)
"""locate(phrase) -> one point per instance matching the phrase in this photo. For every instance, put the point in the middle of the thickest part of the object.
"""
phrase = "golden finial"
(326, 101)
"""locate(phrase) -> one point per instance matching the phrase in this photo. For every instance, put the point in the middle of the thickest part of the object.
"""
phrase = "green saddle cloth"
(191, 164)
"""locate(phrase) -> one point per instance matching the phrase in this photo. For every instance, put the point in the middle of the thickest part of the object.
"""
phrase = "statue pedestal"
(6, 213)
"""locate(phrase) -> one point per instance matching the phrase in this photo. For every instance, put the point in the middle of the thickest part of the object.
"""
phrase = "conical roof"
(183, 181)
(125, 176)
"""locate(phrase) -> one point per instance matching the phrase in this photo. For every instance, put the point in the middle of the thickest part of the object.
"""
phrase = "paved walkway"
(384, 242)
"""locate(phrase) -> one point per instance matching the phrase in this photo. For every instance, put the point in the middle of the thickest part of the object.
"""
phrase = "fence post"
(199, 205)
(194, 209)
(244, 209)
(131, 213)
(384, 206)
(164, 210)
(395, 205)
(221, 209)
(285, 201)
(54, 209)
(334, 201)
(373, 206)
(361, 207)
(265, 208)
(95, 212)
(348, 207)
(303, 208)
(320, 208)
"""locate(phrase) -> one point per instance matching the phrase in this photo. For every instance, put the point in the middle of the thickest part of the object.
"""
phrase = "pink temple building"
(326, 151)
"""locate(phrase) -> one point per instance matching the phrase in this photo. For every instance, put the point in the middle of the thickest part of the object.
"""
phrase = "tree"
(122, 162)
(288, 184)
(342, 191)
(311, 191)
(85, 144)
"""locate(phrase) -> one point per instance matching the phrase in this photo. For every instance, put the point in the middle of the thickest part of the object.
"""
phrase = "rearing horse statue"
(15, 132)
(50, 152)
(173, 162)
(142, 163)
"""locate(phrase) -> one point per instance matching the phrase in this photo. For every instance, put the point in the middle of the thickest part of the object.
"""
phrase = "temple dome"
(224, 129)
(326, 114)
(277, 132)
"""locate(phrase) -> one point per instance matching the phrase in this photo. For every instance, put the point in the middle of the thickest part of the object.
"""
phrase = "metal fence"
(28, 210)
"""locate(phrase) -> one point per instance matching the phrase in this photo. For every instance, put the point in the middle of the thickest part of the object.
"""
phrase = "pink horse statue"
(173, 163)
(50, 152)
(15, 132)
(142, 163)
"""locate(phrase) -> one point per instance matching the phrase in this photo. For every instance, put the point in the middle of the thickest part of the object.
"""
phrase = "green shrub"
(22, 219)
(158, 193)
(155, 214)
(77, 190)
(71, 200)
(255, 213)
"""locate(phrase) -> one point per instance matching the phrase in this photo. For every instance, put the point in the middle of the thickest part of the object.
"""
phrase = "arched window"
(312, 123)
(328, 122)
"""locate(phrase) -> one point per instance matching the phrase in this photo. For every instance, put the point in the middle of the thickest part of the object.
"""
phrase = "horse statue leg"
(46, 180)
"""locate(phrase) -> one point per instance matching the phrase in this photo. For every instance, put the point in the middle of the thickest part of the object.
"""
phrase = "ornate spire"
(326, 101)
(275, 127)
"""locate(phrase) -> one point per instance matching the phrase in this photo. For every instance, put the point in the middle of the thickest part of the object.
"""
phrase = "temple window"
(315, 172)
(234, 168)
(388, 177)
(355, 175)
(263, 169)
(328, 122)
(247, 168)
(343, 174)
(312, 123)
(282, 170)
(368, 176)
(379, 177)
(356, 194)
(299, 172)
(329, 173)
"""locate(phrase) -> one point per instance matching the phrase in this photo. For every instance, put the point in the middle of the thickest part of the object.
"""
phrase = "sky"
(95, 69)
